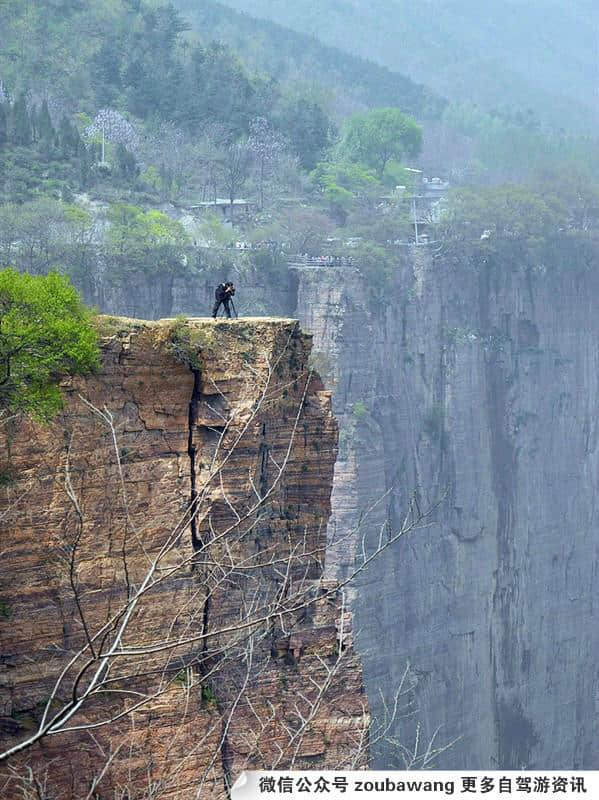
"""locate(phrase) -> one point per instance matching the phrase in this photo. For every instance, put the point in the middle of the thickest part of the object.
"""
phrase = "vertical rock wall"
(154, 461)
(478, 391)
(262, 291)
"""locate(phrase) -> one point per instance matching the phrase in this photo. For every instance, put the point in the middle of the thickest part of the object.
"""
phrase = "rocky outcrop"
(162, 545)
(475, 389)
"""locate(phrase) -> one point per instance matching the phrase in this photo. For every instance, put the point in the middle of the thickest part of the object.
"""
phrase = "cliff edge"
(163, 618)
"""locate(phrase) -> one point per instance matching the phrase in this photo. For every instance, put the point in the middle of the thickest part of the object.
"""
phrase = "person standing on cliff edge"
(223, 294)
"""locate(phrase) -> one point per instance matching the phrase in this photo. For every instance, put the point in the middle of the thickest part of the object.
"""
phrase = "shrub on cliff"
(46, 333)
(506, 226)
(377, 268)
(185, 342)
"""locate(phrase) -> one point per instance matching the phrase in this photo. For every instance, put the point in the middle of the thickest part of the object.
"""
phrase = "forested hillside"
(540, 54)
(131, 57)
(351, 82)
(116, 119)
(112, 123)
(486, 143)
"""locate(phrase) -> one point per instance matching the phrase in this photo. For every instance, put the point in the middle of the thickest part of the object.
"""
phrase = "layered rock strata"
(163, 608)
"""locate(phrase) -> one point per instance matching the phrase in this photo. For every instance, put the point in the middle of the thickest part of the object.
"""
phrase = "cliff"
(476, 390)
(163, 613)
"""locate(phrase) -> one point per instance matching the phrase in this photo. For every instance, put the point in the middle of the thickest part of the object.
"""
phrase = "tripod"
(235, 314)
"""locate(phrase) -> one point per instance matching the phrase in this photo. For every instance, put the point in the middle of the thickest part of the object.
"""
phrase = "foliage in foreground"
(45, 333)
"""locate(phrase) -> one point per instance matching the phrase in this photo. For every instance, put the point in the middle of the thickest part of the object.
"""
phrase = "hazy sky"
(541, 54)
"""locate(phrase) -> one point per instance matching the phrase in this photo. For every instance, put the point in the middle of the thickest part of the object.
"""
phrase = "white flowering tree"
(173, 159)
(111, 126)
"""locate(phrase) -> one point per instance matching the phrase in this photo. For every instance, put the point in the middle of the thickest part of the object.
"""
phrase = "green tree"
(150, 244)
(105, 69)
(3, 125)
(378, 136)
(217, 88)
(506, 227)
(215, 232)
(21, 122)
(45, 129)
(39, 229)
(344, 184)
(377, 267)
(78, 250)
(70, 141)
(10, 215)
(45, 333)
(307, 127)
(577, 188)
(126, 163)
(504, 212)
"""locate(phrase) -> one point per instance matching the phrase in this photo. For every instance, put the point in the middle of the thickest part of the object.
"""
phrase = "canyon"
(466, 401)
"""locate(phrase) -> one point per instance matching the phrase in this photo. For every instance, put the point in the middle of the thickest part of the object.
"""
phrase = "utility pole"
(415, 218)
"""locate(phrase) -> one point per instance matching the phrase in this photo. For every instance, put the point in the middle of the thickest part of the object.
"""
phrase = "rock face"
(476, 390)
(265, 290)
(161, 589)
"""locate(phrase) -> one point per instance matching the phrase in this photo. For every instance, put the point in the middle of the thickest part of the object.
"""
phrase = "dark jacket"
(220, 292)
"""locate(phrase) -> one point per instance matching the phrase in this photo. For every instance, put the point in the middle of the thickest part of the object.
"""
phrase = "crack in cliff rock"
(263, 458)
(191, 452)
(197, 543)
(193, 499)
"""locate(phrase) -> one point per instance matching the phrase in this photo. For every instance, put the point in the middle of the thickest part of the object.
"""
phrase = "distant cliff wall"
(477, 390)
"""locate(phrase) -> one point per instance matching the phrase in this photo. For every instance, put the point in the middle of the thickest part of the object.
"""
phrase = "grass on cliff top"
(193, 340)
(186, 343)
(46, 333)
(108, 326)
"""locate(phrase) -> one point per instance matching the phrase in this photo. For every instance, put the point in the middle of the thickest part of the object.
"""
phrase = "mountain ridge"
(552, 50)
